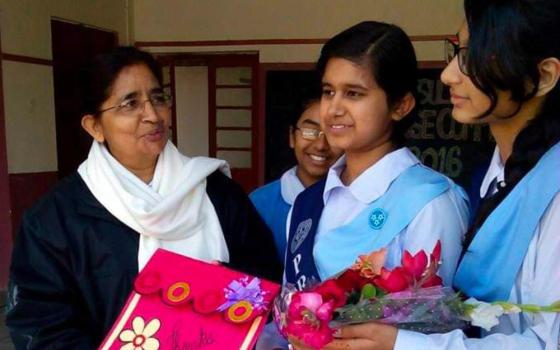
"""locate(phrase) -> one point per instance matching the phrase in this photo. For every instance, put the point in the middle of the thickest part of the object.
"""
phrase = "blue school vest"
(274, 210)
(492, 261)
(372, 229)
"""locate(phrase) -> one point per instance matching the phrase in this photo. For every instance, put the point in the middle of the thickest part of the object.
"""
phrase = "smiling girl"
(503, 72)
(378, 194)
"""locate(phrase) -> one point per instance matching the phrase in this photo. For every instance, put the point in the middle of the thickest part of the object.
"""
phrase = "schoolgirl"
(504, 72)
(378, 194)
(314, 156)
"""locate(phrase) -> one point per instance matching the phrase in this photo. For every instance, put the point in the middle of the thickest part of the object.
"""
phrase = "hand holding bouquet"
(410, 296)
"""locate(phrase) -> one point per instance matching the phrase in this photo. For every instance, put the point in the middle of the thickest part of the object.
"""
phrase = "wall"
(27, 83)
(191, 92)
(29, 100)
(287, 34)
(291, 20)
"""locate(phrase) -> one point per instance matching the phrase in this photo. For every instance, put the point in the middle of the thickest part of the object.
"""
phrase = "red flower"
(436, 253)
(351, 280)
(432, 281)
(414, 265)
(331, 291)
(429, 277)
(393, 281)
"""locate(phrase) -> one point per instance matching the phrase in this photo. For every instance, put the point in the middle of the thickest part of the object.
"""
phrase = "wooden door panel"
(73, 45)
(233, 92)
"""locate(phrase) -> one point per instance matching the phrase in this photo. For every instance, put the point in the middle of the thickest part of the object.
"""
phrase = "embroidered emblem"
(377, 218)
(301, 233)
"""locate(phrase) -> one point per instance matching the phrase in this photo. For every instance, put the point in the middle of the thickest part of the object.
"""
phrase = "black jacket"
(74, 263)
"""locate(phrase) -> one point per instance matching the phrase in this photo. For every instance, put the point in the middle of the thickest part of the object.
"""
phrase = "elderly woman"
(81, 246)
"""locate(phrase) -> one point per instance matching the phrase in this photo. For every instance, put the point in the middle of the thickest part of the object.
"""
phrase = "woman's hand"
(366, 336)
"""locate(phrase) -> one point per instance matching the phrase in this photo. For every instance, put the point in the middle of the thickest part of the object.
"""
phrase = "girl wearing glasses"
(80, 248)
(505, 74)
(378, 194)
(314, 156)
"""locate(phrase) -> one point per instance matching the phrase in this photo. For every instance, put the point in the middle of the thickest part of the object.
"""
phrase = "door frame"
(212, 61)
(6, 235)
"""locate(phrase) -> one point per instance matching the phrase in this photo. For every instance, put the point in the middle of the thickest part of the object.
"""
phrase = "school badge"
(377, 218)
(301, 233)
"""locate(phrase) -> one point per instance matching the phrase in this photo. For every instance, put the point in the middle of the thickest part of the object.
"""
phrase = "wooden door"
(73, 45)
(232, 85)
(6, 238)
(168, 72)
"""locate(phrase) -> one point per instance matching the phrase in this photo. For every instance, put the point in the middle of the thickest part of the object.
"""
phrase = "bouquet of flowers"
(410, 296)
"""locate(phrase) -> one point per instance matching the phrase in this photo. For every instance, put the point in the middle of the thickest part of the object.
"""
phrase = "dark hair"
(387, 51)
(301, 107)
(507, 40)
(98, 76)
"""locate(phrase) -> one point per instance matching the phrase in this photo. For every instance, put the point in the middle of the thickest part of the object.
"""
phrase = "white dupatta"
(174, 212)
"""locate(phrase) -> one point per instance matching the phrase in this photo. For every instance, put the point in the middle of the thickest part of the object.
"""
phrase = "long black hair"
(507, 40)
(386, 50)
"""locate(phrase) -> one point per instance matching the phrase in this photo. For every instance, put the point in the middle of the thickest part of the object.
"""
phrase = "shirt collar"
(290, 186)
(495, 171)
(375, 180)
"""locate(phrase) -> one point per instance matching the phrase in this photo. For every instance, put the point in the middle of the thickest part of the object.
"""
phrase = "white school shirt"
(537, 282)
(444, 218)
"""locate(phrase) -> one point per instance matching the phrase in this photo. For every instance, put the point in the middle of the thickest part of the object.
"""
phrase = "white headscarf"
(173, 212)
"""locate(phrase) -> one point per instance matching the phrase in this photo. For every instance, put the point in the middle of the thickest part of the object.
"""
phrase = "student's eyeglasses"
(132, 106)
(310, 134)
(451, 50)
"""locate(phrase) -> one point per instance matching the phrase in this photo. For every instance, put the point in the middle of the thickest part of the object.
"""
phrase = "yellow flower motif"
(139, 338)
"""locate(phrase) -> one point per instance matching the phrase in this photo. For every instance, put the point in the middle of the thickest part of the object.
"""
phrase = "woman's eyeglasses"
(310, 134)
(131, 106)
(451, 50)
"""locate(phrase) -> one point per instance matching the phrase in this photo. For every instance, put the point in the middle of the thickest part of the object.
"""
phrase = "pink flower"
(308, 319)
(316, 339)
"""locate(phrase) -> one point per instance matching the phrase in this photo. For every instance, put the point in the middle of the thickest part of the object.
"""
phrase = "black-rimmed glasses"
(132, 106)
(451, 50)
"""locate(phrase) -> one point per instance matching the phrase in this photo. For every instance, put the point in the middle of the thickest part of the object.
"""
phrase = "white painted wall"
(25, 29)
(192, 20)
(28, 88)
(191, 84)
(30, 122)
